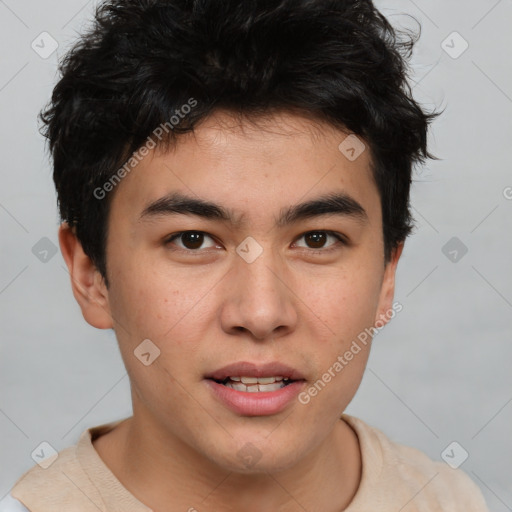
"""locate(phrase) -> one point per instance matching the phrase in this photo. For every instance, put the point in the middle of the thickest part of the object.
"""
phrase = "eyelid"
(168, 239)
(342, 239)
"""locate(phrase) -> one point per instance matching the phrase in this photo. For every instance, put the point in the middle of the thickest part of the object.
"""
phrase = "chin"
(248, 456)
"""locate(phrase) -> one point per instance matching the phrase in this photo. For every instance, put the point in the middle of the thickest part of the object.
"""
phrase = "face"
(250, 285)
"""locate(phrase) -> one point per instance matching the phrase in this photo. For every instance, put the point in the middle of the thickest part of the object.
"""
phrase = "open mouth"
(255, 384)
(256, 389)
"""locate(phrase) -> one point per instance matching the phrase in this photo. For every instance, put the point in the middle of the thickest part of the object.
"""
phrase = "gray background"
(439, 372)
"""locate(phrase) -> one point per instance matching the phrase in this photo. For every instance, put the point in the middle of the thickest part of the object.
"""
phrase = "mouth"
(248, 384)
(251, 389)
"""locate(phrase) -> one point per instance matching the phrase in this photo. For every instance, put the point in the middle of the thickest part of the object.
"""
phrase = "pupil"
(316, 237)
(192, 240)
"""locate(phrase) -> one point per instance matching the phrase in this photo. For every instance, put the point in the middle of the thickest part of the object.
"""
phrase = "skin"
(297, 303)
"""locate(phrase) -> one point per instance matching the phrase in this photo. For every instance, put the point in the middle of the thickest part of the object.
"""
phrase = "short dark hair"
(338, 61)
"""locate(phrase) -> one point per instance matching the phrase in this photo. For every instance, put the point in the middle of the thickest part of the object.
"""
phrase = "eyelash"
(343, 241)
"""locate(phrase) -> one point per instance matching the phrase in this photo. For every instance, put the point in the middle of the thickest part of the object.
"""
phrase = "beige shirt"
(394, 478)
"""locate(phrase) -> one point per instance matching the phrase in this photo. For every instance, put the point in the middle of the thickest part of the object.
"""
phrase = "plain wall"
(439, 372)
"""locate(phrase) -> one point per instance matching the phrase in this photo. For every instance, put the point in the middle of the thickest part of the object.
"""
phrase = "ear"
(387, 291)
(87, 283)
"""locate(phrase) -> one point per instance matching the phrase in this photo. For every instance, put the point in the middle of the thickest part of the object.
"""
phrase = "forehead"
(253, 165)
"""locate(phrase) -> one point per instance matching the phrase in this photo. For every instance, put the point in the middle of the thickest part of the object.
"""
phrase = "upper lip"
(249, 369)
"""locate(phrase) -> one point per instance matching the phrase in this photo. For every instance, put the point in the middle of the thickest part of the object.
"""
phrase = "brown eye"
(190, 240)
(318, 239)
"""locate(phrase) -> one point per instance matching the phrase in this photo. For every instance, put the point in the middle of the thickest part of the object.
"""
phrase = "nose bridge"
(261, 274)
(259, 268)
(258, 299)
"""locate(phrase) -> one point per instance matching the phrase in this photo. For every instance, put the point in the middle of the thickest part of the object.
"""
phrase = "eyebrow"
(340, 204)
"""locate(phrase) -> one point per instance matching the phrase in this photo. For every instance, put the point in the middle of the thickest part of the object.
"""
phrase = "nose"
(259, 298)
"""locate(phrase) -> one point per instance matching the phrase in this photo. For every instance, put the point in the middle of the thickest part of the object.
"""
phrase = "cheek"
(345, 306)
(149, 303)
(345, 303)
(146, 307)
(166, 311)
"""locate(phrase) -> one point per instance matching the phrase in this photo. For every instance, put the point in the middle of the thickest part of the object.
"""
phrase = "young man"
(233, 179)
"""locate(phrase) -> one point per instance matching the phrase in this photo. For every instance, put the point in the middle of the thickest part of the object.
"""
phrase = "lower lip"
(263, 403)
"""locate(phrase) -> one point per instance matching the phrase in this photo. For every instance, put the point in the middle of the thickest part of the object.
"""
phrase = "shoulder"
(47, 487)
(409, 473)
(68, 480)
(10, 504)
(451, 488)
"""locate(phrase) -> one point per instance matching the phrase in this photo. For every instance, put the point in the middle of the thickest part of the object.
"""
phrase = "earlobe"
(87, 283)
(387, 293)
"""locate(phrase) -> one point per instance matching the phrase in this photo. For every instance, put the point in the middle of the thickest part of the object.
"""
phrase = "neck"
(166, 474)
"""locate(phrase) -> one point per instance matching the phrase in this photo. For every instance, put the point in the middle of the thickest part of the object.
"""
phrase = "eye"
(317, 239)
(190, 240)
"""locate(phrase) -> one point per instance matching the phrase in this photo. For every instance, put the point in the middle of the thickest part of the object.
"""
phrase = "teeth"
(255, 388)
(238, 386)
(249, 380)
(271, 387)
(266, 380)
(257, 380)
(256, 384)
